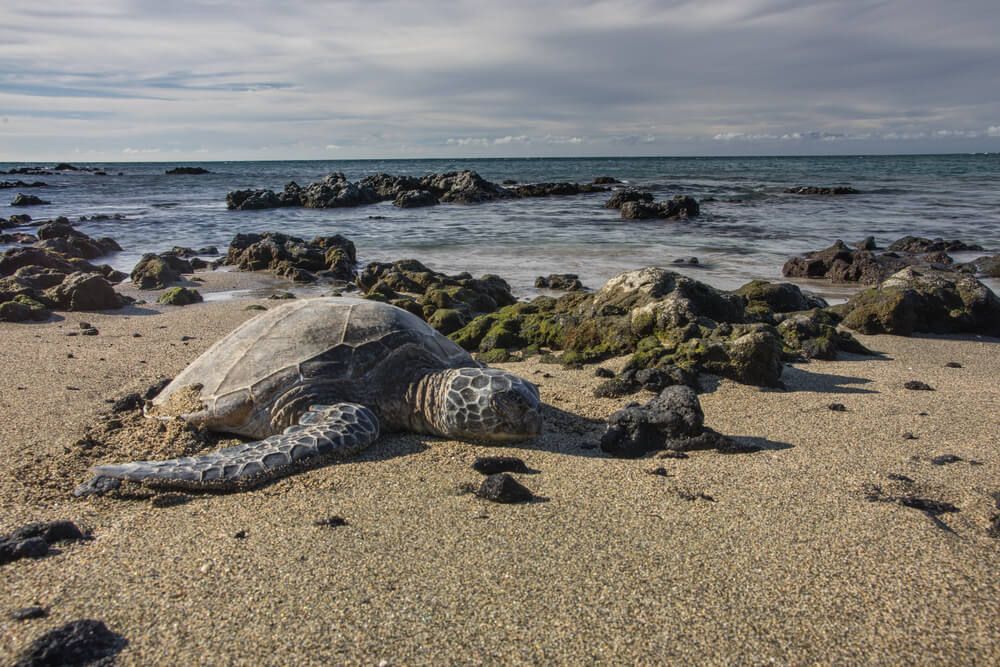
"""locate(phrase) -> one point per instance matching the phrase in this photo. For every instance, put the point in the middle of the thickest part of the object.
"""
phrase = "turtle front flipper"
(324, 432)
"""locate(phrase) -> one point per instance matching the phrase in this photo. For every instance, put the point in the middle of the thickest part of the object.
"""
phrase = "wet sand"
(787, 562)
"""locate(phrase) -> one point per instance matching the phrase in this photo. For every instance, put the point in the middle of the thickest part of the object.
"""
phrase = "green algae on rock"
(925, 301)
(180, 296)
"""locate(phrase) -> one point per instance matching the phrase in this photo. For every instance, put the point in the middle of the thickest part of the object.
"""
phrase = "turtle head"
(489, 404)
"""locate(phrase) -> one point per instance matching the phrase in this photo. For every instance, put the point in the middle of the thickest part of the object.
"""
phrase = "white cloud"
(993, 131)
(140, 150)
(522, 139)
(333, 147)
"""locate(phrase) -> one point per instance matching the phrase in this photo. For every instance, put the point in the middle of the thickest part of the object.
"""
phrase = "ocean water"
(747, 229)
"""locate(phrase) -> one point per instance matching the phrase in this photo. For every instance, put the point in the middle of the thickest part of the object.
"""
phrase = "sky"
(176, 80)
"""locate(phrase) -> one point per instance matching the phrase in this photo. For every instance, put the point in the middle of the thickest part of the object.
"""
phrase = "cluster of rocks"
(862, 264)
(817, 190)
(665, 320)
(160, 270)
(6, 185)
(54, 274)
(336, 191)
(329, 257)
(43, 171)
(187, 171)
(638, 205)
(447, 303)
(673, 421)
(83, 642)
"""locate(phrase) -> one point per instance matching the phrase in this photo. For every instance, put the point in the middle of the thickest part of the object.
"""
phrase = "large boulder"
(930, 301)
(464, 187)
(335, 191)
(187, 171)
(388, 186)
(84, 291)
(158, 271)
(673, 420)
(59, 236)
(680, 207)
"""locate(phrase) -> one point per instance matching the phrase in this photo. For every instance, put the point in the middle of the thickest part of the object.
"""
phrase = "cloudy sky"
(258, 79)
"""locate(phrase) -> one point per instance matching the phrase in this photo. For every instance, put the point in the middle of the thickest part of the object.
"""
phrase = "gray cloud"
(390, 77)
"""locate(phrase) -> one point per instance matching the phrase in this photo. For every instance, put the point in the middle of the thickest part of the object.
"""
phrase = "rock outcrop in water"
(187, 171)
(817, 190)
(331, 257)
(22, 199)
(663, 319)
(334, 191)
(458, 187)
(864, 265)
(61, 237)
(7, 185)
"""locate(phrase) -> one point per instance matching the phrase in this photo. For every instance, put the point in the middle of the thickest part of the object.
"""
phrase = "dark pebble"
(687, 495)
(83, 642)
(240, 534)
(137, 335)
(917, 385)
(502, 488)
(72, 333)
(953, 364)
(50, 531)
(32, 547)
(909, 436)
(331, 522)
(604, 373)
(169, 499)
(945, 459)
(661, 471)
(673, 454)
(186, 338)
(154, 389)
(923, 414)
(491, 465)
(837, 407)
(69, 355)
(86, 325)
(28, 613)
(900, 478)
(89, 332)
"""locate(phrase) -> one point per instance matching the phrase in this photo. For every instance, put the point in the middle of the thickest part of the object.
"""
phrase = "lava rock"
(502, 488)
(672, 420)
(917, 385)
(817, 190)
(331, 522)
(187, 171)
(837, 407)
(415, 199)
(83, 642)
(28, 613)
(620, 197)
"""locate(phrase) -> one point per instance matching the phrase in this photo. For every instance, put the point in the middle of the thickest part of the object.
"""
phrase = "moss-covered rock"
(814, 335)
(778, 297)
(180, 296)
(924, 301)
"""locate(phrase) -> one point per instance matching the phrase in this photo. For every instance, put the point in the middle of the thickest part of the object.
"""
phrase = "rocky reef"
(663, 320)
(330, 257)
(638, 205)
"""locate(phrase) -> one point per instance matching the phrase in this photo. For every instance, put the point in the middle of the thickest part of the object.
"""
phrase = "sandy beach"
(772, 556)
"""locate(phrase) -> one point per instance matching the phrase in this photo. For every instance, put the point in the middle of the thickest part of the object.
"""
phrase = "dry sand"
(788, 563)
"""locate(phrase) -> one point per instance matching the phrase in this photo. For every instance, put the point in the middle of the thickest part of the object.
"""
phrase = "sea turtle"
(318, 379)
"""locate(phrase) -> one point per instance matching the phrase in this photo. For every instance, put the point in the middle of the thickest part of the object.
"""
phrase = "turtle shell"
(326, 349)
